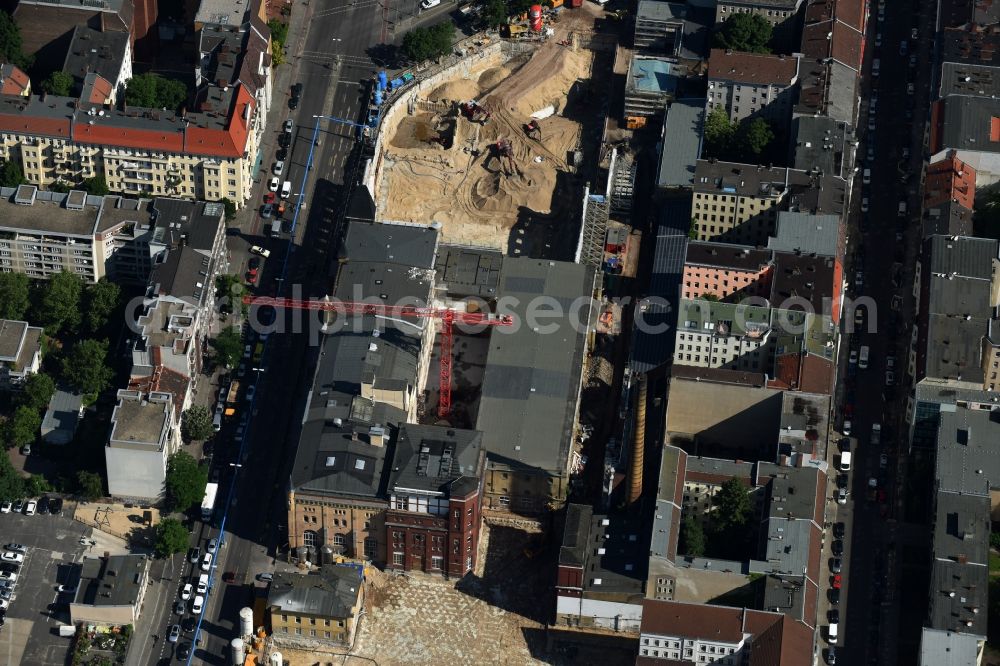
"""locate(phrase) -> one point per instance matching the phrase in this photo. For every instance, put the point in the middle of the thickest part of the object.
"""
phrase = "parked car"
(427, 4)
(198, 605)
(212, 546)
(286, 189)
(10, 556)
(835, 565)
(67, 589)
(265, 577)
(273, 184)
(269, 197)
(842, 496)
(267, 211)
(16, 547)
(279, 167)
(206, 562)
(257, 249)
(289, 126)
(29, 508)
(183, 651)
(837, 547)
(43, 506)
(55, 507)
(5, 507)
(195, 553)
(251, 391)
(838, 581)
(838, 530)
(180, 607)
(18, 506)
(186, 591)
(175, 633)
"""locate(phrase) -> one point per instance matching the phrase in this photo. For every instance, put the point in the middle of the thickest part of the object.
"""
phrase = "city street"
(871, 614)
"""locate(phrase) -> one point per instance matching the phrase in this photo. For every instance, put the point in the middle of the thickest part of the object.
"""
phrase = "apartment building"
(316, 609)
(20, 352)
(833, 49)
(435, 500)
(949, 195)
(752, 85)
(601, 572)
(95, 55)
(145, 432)
(726, 272)
(739, 203)
(969, 128)
(110, 591)
(967, 65)
(365, 384)
(675, 632)
(724, 335)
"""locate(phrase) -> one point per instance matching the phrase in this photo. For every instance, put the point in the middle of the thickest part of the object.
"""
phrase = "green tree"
(754, 138)
(86, 369)
(185, 482)
(442, 37)
(230, 208)
(11, 483)
(279, 31)
(96, 185)
(11, 44)
(23, 427)
(58, 83)
(196, 424)
(102, 299)
(60, 186)
(744, 32)
(171, 537)
(11, 174)
(494, 13)
(14, 295)
(36, 485)
(718, 133)
(89, 485)
(38, 389)
(58, 309)
(426, 43)
(153, 91)
(228, 347)
(732, 505)
(692, 537)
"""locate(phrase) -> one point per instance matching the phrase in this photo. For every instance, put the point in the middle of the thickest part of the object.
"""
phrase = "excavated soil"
(476, 197)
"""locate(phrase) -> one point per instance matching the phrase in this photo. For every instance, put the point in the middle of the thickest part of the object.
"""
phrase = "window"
(371, 548)
(338, 540)
(437, 562)
(397, 559)
(309, 538)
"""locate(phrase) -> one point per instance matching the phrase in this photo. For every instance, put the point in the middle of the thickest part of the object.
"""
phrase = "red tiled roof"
(15, 81)
(754, 68)
(106, 135)
(671, 618)
(16, 124)
(100, 91)
(816, 375)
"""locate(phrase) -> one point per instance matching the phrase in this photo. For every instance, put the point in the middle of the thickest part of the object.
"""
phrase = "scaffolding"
(595, 228)
(622, 187)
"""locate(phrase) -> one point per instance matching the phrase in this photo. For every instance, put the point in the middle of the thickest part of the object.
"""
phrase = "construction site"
(493, 151)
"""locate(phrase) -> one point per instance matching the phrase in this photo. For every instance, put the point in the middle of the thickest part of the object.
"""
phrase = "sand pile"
(492, 77)
(544, 81)
(458, 90)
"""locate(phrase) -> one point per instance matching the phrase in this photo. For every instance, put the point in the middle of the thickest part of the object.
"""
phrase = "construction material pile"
(472, 159)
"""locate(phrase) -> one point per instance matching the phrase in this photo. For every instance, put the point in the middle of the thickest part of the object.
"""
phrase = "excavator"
(503, 150)
(475, 112)
(533, 130)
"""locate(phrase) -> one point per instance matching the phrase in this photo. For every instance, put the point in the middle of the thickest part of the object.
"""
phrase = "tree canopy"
(11, 174)
(229, 207)
(86, 369)
(196, 424)
(23, 427)
(755, 137)
(96, 185)
(228, 347)
(732, 505)
(171, 537)
(102, 299)
(11, 45)
(718, 133)
(11, 483)
(14, 295)
(58, 83)
(153, 91)
(90, 485)
(692, 537)
(426, 43)
(745, 32)
(37, 390)
(494, 13)
(58, 309)
(748, 141)
(185, 482)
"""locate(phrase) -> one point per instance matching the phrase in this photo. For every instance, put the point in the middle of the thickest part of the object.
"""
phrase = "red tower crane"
(447, 316)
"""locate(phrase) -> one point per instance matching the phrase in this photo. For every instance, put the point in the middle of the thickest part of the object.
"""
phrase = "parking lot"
(30, 635)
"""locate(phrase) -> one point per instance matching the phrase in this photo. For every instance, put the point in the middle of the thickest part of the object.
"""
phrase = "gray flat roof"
(611, 550)
(48, 214)
(681, 145)
(727, 255)
(469, 272)
(390, 242)
(969, 79)
(112, 581)
(820, 143)
(139, 421)
(667, 517)
(966, 123)
(95, 52)
(939, 647)
(332, 591)
(63, 412)
(531, 383)
(806, 233)
(967, 460)
(12, 337)
(960, 563)
(656, 10)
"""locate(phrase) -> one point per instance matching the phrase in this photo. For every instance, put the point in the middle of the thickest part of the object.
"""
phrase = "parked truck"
(234, 391)
(208, 504)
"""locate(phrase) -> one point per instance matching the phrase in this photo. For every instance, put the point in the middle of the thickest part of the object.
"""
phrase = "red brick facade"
(425, 542)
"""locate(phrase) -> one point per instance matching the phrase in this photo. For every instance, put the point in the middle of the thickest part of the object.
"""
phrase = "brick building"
(751, 85)
(435, 499)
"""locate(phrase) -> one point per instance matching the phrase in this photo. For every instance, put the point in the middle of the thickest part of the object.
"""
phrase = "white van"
(202, 584)
(286, 189)
(833, 632)
(845, 461)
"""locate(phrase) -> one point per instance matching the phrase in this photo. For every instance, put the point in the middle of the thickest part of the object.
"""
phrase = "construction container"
(635, 122)
(557, 3)
(535, 17)
(576, 3)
